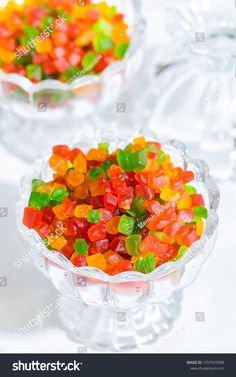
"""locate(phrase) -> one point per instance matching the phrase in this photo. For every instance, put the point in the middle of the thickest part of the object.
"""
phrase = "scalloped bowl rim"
(94, 273)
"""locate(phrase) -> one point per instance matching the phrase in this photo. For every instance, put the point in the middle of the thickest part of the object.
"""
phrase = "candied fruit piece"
(132, 244)
(57, 242)
(32, 217)
(78, 260)
(112, 225)
(97, 232)
(81, 246)
(99, 246)
(117, 268)
(97, 260)
(112, 257)
(82, 210)
(126, 225)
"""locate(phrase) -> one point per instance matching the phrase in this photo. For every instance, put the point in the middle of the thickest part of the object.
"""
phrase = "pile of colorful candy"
(121, 211)
(60, 39)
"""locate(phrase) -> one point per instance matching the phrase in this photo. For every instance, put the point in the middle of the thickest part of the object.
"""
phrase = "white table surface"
(28, 291)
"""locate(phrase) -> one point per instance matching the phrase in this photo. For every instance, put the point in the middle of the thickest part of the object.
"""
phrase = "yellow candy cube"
(140, 141)
(82, 210)
(184, 202)
(168, 195)
(199, 227)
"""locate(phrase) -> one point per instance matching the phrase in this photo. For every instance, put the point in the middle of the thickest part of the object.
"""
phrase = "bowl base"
(120, 330)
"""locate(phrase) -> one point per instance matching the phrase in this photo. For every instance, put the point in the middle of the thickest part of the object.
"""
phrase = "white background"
(28, 291)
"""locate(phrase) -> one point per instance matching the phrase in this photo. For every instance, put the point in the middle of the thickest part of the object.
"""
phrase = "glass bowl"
(56, 108)
(205, 35)
(205, 29)
(192, 105)
(129, 309)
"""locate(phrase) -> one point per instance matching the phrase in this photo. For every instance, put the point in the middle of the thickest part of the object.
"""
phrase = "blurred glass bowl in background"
(36, 115)
(204, 79)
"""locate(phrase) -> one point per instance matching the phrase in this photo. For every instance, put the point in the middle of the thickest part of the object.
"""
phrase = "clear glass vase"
(204, 33)
(35, 116)
(131, 309)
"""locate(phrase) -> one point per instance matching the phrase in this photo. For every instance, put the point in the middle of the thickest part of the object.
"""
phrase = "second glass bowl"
(50, 108)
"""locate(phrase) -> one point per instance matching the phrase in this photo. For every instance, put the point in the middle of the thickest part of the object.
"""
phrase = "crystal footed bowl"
(205, 34)
(206, 30)
(182, 100)
(53, 107)
(129, 309)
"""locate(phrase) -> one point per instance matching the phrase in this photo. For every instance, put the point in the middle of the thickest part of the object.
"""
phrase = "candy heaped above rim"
(86, 92)
(180, 156)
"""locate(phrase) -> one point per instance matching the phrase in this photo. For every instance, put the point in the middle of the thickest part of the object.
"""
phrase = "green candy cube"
(38, 200)
(36, 183)
(145, 265)
(189, 189)
(137, 206)
(126, 225)
(58, 195)
(102, 27)
(94, 216)
(34, 72)
(102, 43)
(81, 246)
(121, 49)
(132, 243)
(200, 212)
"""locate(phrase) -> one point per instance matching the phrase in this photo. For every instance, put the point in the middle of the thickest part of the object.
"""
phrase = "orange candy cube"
(85, 38)
(79, 12)
(59, 164)
(80, 163)
(75, 178)
(96, 155)
(97, 260)
(96, 189)
(6, 56)
(44, 47)
(60, 213)
(112, 225)
(57, 242)
(81, 191)
(118, 34)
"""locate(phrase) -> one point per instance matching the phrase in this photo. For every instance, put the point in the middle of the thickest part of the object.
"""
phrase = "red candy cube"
(32, 217)
(117, 268)
(197, 200)
(97, 232)
(110, 201)
(99, 246)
